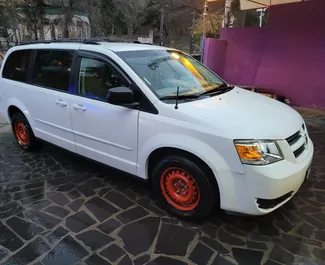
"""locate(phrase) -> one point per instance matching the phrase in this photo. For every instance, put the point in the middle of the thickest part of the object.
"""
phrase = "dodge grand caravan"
(161, 115)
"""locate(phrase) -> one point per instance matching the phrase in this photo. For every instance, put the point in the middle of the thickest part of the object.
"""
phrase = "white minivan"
(161, 115)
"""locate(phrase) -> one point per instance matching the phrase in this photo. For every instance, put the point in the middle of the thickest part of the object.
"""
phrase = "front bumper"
(262, 189)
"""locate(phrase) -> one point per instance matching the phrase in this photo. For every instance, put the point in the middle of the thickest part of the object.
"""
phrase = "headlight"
(258, 152)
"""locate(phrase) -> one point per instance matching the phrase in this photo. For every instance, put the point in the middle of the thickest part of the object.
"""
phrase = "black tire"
(29, 143)
(208, 196)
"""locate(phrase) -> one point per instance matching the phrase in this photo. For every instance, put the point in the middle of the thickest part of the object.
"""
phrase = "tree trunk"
(41, 32)
(68, 18)
(53, 32)
(35, 32)
(15, 34)
(227, 17)
(130, 29)
(113, 29)
(66, 32)
(66, 26)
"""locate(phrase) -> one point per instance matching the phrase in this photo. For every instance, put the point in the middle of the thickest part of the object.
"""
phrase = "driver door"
(103, 132)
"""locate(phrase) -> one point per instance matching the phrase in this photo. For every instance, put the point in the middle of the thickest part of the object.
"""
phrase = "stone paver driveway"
(59, 209)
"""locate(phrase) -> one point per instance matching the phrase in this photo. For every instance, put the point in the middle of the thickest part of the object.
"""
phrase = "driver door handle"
(79, 107)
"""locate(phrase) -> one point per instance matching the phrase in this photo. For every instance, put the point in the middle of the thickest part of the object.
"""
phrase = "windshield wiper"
(179, 97)
(217, 90)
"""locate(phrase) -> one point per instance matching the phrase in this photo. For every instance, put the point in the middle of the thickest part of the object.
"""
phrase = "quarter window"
(16, 66)
(52, 69)
(97, 77)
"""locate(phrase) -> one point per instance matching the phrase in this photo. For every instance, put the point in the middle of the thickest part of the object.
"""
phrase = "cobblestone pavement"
(60, 209)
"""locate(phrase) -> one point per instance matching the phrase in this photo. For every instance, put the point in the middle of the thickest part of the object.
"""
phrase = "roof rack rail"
(70, 40)
(94, 40)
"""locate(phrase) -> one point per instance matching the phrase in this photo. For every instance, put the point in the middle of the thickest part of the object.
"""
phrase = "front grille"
(294, 138)
(267, 204)
(299, 151)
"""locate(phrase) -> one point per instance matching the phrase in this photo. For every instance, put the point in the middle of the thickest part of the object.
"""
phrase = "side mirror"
(122, 96)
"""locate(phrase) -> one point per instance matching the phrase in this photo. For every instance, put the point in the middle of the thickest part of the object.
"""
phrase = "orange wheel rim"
(21, 132)
(180, 189)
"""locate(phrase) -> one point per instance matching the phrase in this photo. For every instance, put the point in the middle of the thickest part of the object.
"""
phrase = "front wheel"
(183, 188)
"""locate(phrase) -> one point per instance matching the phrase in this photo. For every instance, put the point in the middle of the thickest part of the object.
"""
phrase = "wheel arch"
(182, 143)
(16, 105)
(12, 110)
(172, 151)
(161, 152)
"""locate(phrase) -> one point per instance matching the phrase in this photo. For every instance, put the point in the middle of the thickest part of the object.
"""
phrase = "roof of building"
(249, 4)
(57, 10)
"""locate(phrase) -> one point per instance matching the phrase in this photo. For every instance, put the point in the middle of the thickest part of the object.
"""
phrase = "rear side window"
(16, 66)
(52, 69)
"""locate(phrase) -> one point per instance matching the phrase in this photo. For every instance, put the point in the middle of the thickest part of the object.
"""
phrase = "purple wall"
(286, 57)
(215, 49)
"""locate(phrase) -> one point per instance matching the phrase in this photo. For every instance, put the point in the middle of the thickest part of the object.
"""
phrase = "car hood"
(242, 114)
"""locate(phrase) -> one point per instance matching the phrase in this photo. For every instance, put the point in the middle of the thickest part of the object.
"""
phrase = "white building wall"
(79, 27)
(80, 24)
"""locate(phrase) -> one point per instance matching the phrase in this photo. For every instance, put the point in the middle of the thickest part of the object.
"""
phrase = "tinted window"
(97, 77)
(16, 66)
(52, 69)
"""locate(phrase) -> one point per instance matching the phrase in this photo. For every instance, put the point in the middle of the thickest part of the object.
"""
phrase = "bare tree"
(108, 17)
(131, 13)
(34, 17)
(66, 20)
(9, 19)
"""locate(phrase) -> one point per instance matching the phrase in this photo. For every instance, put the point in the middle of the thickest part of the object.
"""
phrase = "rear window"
(15, 67)
(52, 69)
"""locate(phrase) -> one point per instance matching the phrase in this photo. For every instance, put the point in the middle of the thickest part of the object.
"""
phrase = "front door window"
(97, 77)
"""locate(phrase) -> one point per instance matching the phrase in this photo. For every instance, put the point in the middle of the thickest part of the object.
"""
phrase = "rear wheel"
(23, 132)
(183, 188)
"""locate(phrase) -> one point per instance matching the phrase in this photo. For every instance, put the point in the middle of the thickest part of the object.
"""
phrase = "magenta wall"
(286, 57)
(215, 49)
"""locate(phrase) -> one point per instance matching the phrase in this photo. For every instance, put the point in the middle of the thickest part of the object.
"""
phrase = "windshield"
(165, 71)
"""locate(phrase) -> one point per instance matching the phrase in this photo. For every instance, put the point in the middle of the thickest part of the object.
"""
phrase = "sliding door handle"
(79, 107)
